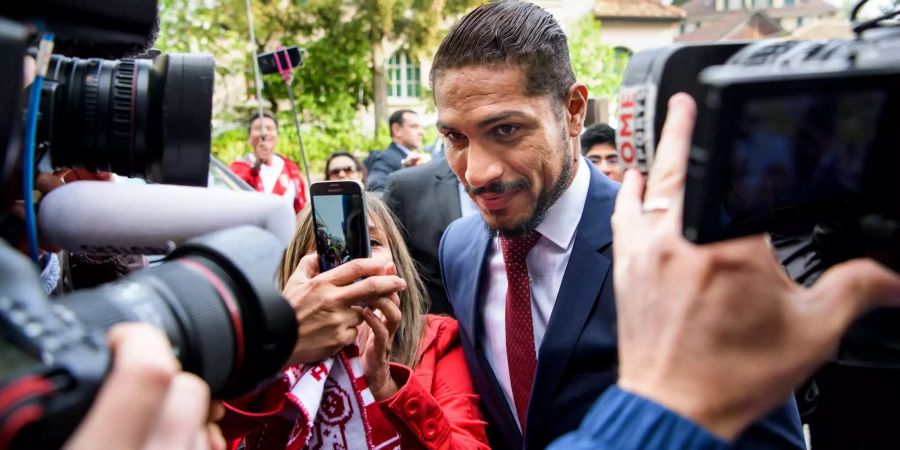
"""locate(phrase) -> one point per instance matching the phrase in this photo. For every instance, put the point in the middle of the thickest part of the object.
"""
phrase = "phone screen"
(341, 228)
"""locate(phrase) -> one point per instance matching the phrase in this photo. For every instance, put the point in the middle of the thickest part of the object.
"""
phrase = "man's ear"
(395, 127)
(576, 107)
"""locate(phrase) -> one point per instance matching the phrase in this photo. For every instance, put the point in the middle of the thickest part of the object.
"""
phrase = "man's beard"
(545, 200)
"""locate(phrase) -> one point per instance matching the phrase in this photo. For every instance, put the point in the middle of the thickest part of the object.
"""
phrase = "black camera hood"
(123, 23)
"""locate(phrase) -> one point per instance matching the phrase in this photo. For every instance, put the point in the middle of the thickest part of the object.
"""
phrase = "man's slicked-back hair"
(510, 32)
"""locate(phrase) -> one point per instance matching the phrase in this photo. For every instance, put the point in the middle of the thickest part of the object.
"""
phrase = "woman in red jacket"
(413, 365)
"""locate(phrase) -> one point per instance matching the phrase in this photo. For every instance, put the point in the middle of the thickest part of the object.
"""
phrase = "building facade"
(715, 20)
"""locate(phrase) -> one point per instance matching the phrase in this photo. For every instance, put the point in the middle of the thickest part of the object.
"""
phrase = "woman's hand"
(376, 337)
(326, 304)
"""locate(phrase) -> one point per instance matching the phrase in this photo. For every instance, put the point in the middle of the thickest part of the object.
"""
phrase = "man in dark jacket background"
(406, 141)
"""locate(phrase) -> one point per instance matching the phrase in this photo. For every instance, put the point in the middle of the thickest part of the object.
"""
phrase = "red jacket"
(437, 408)
(290, 174)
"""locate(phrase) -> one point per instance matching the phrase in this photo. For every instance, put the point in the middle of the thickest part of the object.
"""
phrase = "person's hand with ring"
(718, 333)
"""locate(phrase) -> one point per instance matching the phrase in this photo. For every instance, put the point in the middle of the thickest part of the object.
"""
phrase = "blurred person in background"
(598, 144)
(406, 141)
(344, 166)
(265, 170)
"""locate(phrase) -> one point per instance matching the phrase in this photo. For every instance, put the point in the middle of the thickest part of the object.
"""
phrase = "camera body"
(135, 116)
(213, 297)
(798, 139)
(147, 118)
(787, 133)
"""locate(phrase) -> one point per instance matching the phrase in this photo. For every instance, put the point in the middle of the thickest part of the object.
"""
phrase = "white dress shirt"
(406, 151)
(546, 263)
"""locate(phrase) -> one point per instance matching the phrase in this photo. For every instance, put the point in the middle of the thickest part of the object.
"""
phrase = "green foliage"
(318, 143)
(337, 78)
(596, 65)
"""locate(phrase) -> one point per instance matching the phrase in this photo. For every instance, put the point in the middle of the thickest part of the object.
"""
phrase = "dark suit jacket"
(426, 199)
(384, 163)
(577, 359)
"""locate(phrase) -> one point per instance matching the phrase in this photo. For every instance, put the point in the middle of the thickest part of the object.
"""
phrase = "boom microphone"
(102, 218)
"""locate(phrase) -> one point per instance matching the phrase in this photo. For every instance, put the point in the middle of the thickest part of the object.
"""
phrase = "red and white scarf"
(336, 407)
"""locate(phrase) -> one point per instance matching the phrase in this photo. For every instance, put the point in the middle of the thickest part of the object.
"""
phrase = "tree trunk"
(379, 90)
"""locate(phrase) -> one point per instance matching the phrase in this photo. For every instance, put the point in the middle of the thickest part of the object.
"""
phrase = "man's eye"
(506, 130)
(452, 135)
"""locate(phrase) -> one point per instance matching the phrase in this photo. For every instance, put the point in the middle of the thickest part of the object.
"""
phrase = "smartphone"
(340, 221)
(267, 63)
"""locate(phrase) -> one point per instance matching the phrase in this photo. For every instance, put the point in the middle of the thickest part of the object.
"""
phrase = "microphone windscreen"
(97, 217)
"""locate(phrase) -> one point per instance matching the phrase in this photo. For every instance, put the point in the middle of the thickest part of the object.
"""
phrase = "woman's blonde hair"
(414, 302)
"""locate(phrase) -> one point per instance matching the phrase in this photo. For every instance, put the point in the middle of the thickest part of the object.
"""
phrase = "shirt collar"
(562, 218)
(405, 150)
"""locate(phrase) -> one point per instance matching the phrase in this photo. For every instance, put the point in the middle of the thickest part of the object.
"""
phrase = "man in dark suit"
(534, 295)
(425, 200)
(406, 140)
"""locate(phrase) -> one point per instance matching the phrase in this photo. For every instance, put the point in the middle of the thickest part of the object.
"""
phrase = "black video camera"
(800, 139)
(139, 117)
(214, 297)
(788, 133)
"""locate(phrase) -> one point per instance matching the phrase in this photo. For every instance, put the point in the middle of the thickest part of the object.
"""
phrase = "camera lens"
(148, 118)
(216, 300)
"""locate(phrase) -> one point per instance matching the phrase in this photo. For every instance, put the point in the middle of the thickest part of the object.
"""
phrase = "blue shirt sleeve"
(623, 421)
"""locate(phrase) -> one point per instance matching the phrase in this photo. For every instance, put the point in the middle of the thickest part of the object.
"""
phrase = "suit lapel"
(467, 314)
(446, 194)
(399, 154)
(577, 295)
(466, 308)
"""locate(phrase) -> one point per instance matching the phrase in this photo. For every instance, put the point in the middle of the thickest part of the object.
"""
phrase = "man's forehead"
(467, 92)
(479, 78)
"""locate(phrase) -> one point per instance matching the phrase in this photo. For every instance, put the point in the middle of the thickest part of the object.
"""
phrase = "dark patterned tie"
(520, 352)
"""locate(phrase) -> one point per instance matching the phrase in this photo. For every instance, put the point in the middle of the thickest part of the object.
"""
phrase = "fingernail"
(631, 175)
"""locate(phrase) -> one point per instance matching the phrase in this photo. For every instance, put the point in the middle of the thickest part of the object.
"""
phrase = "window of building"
(789, 2)
(404, 76)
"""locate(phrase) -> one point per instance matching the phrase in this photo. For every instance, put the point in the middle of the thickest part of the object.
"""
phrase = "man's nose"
(482, 166)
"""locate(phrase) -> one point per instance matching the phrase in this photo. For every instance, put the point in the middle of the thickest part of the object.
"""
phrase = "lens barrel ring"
(90, 103)
(123, 102)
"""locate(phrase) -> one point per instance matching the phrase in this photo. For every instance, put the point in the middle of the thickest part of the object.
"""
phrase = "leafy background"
(343, 72)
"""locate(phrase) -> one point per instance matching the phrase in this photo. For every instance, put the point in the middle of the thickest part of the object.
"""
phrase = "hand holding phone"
(328, 309)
